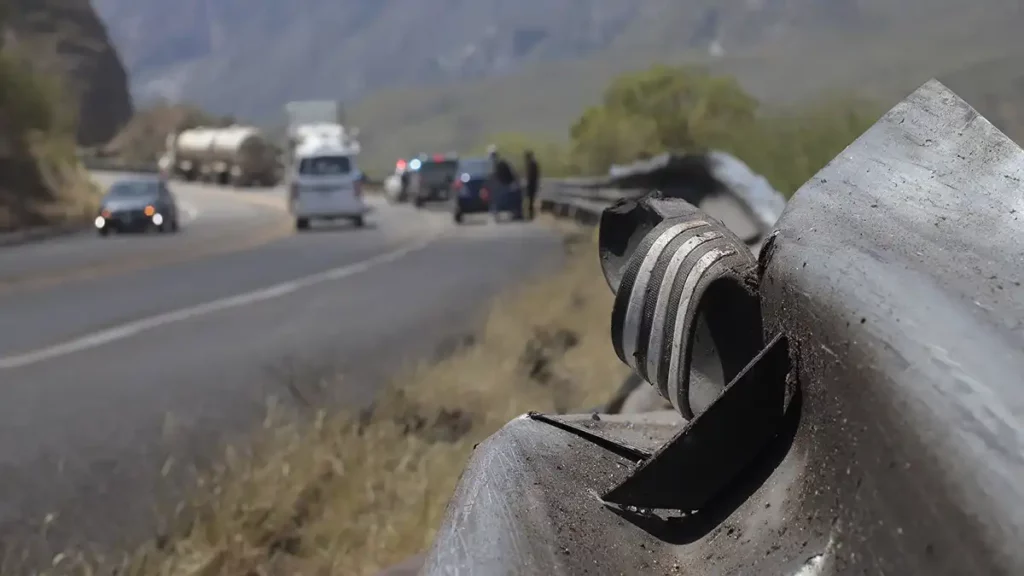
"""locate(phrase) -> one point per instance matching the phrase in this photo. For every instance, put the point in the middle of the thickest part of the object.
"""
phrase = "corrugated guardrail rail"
(718, 183)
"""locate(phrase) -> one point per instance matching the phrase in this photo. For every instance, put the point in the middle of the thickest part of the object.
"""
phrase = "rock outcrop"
(68, 39)
(61, 81)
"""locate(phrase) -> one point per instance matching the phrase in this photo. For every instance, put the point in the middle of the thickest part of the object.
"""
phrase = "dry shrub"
(351, 494)
(41, 179)
(76, 197)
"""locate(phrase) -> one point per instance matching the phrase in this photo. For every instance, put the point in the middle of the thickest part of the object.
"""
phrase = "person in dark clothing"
(532, 182)
(505, 185)
(502, 170)
(405, 185)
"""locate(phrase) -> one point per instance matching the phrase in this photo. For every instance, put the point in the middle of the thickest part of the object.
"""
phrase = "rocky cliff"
(61, 85)
(65, 38)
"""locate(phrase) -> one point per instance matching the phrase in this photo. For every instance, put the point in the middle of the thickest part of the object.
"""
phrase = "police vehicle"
(431, 177)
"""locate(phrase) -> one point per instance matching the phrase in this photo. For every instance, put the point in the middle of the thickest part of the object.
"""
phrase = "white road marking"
(133, 328)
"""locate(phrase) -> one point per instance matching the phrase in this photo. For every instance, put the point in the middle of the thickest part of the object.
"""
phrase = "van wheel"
(302, 223)
(457, 216)
(358, 222)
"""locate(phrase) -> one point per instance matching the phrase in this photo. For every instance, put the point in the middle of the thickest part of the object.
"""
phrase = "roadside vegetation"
(687, 109)
(41, 180)
(326, 492)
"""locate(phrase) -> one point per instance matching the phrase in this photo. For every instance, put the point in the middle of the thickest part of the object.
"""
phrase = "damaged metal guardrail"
(847, 402)
(717, 182)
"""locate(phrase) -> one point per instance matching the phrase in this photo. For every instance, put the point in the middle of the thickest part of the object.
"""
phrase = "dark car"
(138, 205)
(470, 188)
(431, 178)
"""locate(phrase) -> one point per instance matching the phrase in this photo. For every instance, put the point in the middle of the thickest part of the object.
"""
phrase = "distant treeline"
(685, 109)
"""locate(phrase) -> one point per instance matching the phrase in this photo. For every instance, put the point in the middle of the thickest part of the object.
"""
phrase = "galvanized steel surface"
(894, 275)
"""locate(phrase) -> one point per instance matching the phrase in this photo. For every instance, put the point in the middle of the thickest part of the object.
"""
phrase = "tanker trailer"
(191, 152)
(243, 156)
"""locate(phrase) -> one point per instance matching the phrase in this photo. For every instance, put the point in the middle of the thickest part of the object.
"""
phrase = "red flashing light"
(438, 157)
(400, 164)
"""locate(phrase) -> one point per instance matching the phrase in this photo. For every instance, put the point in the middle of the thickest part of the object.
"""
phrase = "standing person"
(532, 182)
(506, 185)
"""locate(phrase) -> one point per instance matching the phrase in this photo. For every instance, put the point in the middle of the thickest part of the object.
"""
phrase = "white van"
(325, 184)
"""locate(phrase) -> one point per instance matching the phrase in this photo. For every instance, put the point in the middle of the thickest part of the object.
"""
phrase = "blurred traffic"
(469, 185)
(323, 180)
(137, 204)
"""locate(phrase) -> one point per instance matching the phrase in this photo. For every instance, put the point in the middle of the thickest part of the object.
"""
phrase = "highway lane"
(213, 219)
(57, 313)
(94, 368)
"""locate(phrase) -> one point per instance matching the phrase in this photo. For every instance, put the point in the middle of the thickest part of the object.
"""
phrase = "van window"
(325, 166)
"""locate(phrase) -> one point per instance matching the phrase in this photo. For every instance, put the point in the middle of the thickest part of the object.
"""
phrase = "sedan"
(137, 204)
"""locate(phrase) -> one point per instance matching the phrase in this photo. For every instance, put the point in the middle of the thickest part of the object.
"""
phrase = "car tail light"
(457, 184)
(484, 193)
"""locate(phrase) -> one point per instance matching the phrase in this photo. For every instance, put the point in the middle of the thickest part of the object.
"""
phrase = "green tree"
(678, 109)
(686, 109)
(602, 137)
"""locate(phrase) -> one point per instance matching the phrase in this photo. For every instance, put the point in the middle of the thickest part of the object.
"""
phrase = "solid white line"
(133, 328)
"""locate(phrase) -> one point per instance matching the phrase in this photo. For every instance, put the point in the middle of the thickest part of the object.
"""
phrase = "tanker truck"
(235, 155)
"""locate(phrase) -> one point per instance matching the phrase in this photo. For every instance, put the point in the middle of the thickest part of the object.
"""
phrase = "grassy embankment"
(323, 492)
(41, 180)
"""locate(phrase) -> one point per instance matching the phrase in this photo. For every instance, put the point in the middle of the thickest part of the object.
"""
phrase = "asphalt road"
(116, 353)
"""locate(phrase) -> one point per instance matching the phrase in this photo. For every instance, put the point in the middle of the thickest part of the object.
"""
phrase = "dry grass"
(76, 198)
(324, 493)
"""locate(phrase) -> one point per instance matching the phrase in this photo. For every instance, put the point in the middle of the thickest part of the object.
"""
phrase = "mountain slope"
(447, 73)
(976, 49)
(211, 51)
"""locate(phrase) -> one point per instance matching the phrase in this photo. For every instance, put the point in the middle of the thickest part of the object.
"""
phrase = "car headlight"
(158, 219)
(100, 222)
